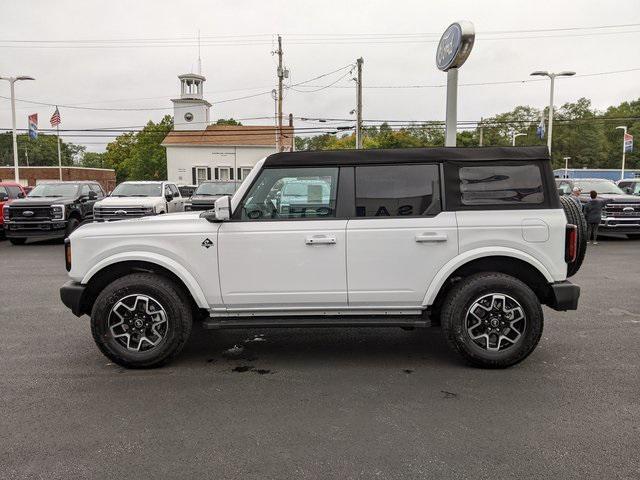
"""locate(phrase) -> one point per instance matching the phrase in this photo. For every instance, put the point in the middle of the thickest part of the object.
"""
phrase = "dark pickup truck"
(51, 210)
(208, 192)
(621, 213)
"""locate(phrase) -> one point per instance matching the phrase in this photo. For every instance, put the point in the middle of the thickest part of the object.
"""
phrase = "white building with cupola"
(198, 150)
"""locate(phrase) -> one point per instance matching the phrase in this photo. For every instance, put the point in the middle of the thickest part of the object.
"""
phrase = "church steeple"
(191, 110)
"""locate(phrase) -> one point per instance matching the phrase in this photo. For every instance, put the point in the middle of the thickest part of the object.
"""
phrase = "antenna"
(199, 59)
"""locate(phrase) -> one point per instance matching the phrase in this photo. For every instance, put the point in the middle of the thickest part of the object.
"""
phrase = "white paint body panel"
(391, 261)
(282, 264)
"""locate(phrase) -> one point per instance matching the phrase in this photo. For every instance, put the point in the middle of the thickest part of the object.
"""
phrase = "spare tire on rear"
(575, 217)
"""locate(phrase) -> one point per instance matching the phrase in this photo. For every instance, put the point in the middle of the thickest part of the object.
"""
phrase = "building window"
(224, 173)
(201, 175)
(243, 172)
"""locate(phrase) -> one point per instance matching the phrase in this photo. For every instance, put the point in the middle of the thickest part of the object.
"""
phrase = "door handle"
(320, 240)
(431, 237)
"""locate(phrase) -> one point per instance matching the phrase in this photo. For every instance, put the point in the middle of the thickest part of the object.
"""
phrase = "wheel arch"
(108, 270)
(514, 263)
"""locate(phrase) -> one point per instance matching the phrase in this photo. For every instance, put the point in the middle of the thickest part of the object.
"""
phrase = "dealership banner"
(628, 143)
(33, 126)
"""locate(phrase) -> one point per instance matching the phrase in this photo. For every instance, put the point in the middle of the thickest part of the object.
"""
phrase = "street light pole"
(12, 81)
(566, 166)
(552, 77)
(514, 135)
(624, 130)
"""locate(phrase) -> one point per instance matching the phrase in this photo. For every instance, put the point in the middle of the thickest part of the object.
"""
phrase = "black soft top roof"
(405, 155)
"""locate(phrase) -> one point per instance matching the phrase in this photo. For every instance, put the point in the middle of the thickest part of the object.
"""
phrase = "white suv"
(139, 199)
(475, 240)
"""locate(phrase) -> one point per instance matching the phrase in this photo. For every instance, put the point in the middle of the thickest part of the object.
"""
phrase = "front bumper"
(72, 294)
(564, 296)
(49, 229)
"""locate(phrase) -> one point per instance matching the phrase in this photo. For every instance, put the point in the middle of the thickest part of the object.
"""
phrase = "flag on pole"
(33, 126)
(55, 118)
(540, 129)
(628, 143)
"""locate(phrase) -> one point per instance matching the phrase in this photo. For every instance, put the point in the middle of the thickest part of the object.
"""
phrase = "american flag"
(55, 118)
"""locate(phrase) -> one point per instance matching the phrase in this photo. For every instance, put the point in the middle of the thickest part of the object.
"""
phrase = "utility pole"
(280, 82)
(359, 62)
(481, 131)
(566, 166)
(26, 154)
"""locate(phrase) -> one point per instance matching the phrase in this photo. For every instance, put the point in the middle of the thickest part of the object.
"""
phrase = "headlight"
(5, 212)
(149, 210)
(187, 206)
(57, 212)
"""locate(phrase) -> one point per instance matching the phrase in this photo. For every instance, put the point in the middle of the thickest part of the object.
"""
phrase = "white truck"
(474, 240)
(139, 199)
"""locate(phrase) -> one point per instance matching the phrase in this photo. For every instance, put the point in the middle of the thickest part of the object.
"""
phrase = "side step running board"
(315, 322)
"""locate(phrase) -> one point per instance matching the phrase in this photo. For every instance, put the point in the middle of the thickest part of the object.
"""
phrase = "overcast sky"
(318, 37)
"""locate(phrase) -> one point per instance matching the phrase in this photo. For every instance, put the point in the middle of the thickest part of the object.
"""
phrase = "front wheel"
(493, 320)
(71, 226)
(141, 320)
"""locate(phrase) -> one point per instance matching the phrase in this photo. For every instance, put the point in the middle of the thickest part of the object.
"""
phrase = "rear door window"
(397, 190)
(496, 185)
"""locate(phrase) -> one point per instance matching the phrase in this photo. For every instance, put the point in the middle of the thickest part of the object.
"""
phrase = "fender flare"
(141, 256)
(466, 257)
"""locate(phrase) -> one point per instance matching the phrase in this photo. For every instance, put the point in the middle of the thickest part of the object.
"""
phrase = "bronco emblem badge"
(207, 243)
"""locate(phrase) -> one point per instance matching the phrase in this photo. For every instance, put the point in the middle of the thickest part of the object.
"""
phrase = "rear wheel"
(575, 217)
(17, 241)
(141, 320)
(493, 320)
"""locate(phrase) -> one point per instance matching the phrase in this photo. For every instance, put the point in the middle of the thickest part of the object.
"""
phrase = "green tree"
(93, 160)
(42, 151)
(229, 121)
(148, 158)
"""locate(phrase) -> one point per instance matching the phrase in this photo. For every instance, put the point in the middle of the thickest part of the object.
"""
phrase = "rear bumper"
(564, 296)
(72, 294)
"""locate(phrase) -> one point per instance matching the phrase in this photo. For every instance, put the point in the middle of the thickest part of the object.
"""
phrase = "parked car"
(474, 240)
(187, 190)
(621, 213)
(630, 186)
(208, 192)
(51, 210)
(9, 191)
(139, 199)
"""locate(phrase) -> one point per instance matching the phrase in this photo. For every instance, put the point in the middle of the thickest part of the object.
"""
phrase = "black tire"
(170, 297)
(17, 241)
(575, 217)
(469, 291)
(72, 224)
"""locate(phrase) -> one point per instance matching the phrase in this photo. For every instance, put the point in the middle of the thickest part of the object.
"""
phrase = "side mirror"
(221, 209)
(21, 195)
(628, 190)
(168, 197)
(92, 195)
(4, 197)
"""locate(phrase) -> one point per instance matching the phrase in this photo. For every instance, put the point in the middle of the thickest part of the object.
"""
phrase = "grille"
(39, 214)
(119, 213)
(201, 206)
(618, 210)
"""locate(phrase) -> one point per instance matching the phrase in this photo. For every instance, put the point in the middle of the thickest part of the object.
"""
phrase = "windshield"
(602, 186)
(216, 189)
(138, 190)
(55, 190)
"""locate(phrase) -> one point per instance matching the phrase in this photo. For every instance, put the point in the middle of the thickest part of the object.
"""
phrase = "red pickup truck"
(9, 191)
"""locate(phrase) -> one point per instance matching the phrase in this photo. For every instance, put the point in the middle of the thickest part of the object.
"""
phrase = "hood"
(42, 201)
(204, 198)
(613, 198)
(157, 224)
(129, 201)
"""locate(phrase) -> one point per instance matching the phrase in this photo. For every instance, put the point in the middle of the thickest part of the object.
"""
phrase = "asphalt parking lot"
(376, 403)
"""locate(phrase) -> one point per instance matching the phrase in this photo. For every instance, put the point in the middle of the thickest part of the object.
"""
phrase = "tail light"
(67, 254)
(571, 244)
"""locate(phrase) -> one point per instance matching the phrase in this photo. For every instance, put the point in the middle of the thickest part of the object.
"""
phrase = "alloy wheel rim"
(138, 322)
(495, 322)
